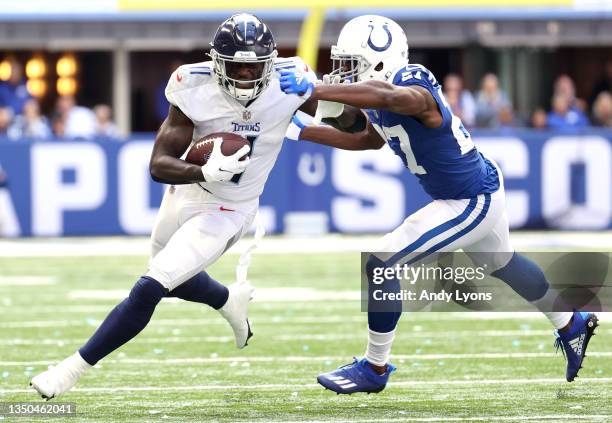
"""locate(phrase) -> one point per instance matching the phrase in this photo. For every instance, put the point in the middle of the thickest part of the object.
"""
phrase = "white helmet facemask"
(369, 47)
(222, 64)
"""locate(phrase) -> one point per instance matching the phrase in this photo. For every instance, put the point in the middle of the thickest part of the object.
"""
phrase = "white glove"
(221, 168)
(328, 109)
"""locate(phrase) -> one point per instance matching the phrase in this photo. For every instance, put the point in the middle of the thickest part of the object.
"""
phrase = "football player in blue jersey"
(406, 109)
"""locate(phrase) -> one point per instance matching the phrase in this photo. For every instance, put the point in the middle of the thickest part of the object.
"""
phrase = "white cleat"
(236, 311)
(61, 378)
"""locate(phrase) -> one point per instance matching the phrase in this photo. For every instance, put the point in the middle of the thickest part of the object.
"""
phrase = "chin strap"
(245, 94)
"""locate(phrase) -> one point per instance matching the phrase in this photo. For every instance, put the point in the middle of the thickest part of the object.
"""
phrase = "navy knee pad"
(147, 292)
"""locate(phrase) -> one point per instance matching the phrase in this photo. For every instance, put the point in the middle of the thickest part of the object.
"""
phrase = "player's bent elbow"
(155, 170)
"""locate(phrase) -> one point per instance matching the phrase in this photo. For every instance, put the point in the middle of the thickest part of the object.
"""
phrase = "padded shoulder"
(414, 74)
(188, 76)
(294, 63)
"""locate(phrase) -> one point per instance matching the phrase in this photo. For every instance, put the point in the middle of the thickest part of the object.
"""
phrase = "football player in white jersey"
(207, 208)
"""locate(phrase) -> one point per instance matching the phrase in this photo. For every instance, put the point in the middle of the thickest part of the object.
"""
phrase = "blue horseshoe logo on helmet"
(389, 39)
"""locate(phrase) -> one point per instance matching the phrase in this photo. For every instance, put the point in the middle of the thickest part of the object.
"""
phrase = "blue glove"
(294, 131)
(292, 83)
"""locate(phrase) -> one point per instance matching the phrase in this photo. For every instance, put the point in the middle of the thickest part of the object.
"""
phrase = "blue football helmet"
(243, 52)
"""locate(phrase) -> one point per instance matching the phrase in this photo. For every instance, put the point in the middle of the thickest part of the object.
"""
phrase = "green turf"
(294, 341)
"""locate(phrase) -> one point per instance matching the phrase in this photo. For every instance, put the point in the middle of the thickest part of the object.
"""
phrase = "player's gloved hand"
(294, 131)
(296, 83)
(328, 109)
(221, 168)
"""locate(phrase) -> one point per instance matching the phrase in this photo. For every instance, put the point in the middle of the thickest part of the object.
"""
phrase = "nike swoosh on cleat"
(224, 209)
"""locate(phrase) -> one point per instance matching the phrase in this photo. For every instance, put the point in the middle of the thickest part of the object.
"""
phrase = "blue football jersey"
(444, 159)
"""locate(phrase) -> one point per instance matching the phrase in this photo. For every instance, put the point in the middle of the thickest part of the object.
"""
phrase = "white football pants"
(193, 229)
(478, 225)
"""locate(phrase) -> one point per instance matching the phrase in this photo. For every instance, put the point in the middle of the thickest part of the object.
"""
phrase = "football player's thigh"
(197, 244)
(495, 249)
(443, 225)
(479, 226)
(166, 221)
(412, 234)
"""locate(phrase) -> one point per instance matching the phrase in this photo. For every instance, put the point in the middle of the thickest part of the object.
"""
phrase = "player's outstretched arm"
(351, 119)
(411, 101)
(368, 139)
(172, 140)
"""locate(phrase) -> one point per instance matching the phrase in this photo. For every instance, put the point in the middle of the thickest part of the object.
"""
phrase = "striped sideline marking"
(267, 359)
(298, 337)
(27, 280)
(409, 384)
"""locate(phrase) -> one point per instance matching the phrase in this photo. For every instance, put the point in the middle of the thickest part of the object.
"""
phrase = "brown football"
(200, 151)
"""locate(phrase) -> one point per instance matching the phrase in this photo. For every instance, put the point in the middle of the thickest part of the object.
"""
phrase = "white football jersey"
(193, 89)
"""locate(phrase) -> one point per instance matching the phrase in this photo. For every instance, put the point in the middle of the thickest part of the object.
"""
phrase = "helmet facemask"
(348, 66)
(225, 68)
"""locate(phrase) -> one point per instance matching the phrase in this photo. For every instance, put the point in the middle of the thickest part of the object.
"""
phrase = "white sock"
(75, 364)
(379, 347)
(552, 300)
(559, 319)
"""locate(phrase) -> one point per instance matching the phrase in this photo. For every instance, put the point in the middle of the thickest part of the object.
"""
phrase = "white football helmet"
(369, 47)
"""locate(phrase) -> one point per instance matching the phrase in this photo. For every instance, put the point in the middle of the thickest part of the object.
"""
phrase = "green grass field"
(184, 365)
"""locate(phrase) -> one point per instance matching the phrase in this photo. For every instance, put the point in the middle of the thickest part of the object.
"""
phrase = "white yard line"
(361, 317)
(139, 246)
(408, 418)
(299, 337)
(294, 359)
(281, 386)
(357, 317)
(26, 280)
(280, 294)
(413, 317)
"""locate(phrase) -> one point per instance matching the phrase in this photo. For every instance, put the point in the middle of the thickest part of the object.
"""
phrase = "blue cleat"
(575, 340)
(357, 376)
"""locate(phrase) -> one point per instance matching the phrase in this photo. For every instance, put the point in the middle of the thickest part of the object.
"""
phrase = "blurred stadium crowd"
(21, 116)
(489, 107)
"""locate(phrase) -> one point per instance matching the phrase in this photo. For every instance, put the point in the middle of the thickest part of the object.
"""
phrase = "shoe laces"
(559, 346)
(355, 361)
